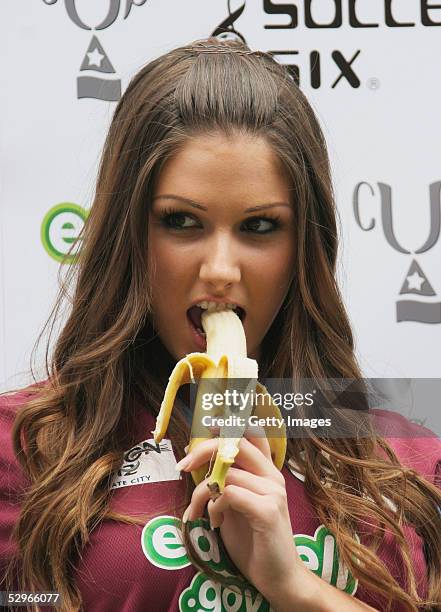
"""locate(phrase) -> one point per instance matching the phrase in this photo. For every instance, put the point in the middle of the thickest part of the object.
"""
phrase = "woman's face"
(204, 241)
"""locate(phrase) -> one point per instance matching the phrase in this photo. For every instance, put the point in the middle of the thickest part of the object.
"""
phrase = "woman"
(214, 185)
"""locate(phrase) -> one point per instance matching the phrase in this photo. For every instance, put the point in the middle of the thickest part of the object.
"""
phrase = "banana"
(225, 360)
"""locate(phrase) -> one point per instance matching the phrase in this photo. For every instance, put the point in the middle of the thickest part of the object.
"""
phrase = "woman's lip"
(241, 314)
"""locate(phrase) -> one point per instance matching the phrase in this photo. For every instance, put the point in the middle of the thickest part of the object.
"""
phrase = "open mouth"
(194, 314)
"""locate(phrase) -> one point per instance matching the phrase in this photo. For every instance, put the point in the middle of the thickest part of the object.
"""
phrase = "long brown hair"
(71, 436)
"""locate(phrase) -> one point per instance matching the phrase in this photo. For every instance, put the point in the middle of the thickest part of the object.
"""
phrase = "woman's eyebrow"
(197, 205)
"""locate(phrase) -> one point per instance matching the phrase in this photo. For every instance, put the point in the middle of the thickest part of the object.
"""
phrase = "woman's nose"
(220, 267)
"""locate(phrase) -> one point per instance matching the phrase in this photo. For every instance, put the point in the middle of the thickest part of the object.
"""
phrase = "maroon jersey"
(128, 568)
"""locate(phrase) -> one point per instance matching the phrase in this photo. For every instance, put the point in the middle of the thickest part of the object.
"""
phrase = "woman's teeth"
(215, 307)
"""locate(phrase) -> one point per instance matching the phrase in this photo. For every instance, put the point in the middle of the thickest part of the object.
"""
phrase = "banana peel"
(226, 359)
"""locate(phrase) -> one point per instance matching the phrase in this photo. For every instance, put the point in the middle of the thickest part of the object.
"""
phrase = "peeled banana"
(225, 360)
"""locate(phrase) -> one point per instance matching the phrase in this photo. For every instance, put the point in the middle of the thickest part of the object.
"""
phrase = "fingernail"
(186, 448)
(185, 515)
(183, 463)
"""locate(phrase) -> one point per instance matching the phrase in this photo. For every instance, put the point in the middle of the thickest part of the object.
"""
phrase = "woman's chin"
(254, 353)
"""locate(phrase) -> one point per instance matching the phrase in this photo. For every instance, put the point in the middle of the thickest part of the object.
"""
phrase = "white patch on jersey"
(146, 462)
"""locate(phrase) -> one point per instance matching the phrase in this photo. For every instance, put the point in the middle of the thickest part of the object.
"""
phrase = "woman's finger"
(252, 505)
(216, 516)
(252, 482)
(249, 457)
(199, 499)
(241, 478)
(255, 434)
(258, 509)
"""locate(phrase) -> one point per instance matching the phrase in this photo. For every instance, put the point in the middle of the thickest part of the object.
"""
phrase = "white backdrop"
(377, 98)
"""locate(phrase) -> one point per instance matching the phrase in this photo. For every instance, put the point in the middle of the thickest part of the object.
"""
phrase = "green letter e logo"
(60, 228)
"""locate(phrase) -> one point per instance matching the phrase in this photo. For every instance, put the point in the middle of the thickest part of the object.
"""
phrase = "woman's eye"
(262, 225)
(182, 221)
(176, 220)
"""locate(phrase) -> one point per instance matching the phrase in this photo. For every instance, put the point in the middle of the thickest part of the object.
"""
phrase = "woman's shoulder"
(10, 401)
(415, 445)
(11, 474)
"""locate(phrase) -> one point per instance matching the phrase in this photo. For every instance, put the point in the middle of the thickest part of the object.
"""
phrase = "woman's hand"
(253, 516)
